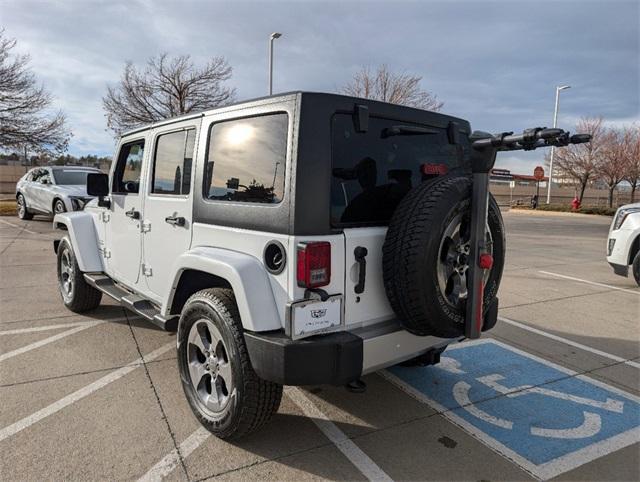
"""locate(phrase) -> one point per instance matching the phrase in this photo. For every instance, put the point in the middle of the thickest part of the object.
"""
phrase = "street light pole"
(553, 149)
(274, 36)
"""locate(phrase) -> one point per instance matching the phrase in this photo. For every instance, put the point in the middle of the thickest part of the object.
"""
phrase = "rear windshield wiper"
(407, 131)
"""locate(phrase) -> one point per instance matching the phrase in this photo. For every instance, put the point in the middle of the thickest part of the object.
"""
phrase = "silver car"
(52, 190)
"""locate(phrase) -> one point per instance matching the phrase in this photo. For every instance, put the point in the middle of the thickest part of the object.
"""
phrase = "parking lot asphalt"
(551, 392)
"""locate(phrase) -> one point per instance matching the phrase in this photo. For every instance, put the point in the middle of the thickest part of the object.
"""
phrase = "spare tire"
(426, 254)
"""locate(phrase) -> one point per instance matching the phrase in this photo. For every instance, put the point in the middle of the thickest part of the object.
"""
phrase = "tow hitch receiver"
(483, 156)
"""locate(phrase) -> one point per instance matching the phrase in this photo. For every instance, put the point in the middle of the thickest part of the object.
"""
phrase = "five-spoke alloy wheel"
(209, 368)
(76, 293)
(224, 392)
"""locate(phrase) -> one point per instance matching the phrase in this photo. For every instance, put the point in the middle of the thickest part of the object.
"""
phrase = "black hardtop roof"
(376, 107)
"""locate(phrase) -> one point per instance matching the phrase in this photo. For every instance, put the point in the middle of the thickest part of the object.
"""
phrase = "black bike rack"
(485, 146)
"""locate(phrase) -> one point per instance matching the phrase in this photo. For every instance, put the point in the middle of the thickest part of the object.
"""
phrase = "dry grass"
(8, 208)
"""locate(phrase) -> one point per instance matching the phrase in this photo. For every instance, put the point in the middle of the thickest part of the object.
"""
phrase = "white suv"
(52, 190)
(298, 239)
(623, 245)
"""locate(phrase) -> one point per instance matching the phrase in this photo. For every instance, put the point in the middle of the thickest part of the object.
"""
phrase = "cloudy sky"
(494, 63)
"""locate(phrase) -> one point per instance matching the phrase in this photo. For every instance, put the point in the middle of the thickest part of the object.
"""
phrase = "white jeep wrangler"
(298, 239)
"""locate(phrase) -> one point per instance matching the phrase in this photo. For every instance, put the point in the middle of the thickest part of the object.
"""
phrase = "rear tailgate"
(372, 304)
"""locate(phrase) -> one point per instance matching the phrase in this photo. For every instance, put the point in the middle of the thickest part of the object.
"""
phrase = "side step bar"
(132, 302)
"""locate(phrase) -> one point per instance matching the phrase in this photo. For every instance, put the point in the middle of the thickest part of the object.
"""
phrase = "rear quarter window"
(246, 159)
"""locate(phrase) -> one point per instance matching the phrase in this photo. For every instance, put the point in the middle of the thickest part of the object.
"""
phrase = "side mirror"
(98, 185)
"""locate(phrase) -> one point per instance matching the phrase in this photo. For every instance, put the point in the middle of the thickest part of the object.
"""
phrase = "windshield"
(373, 170)
(67, 176)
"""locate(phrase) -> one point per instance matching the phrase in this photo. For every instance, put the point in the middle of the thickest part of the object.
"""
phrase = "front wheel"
(636, 268)
(76, 293)
(21, 205)
(59, 207)
(223, 390)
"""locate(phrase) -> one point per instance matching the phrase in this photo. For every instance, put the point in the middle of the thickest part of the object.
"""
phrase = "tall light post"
(274, 36)
(553, 149)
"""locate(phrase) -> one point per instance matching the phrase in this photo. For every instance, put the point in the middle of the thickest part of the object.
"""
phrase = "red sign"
(538, 173)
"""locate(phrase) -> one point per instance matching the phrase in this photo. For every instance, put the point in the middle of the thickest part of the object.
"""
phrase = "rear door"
(168, 202)
(372, 172)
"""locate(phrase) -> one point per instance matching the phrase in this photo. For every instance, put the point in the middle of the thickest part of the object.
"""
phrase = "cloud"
(494, 63)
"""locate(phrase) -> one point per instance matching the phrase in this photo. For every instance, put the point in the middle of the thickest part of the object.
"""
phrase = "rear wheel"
(21, 206)
(426, 257)
(224, 392)
(76, 293)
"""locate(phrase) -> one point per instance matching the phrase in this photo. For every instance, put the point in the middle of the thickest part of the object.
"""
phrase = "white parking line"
(356, 456)
(55, 407)
(566, 341)
(580, 280)
(350, 450)
(35, 329)
(46, 341)
(171, 460)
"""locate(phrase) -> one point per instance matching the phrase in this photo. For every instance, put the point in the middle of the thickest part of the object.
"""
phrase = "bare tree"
(166, 87)
(578, 161)
(26, 120)
(632, 158)
(387, 86)
(610, 164)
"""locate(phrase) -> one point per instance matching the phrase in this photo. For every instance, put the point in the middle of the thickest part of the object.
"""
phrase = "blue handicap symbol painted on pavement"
(540, 415)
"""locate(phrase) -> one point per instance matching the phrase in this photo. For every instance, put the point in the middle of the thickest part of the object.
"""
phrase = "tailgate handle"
(361, 253)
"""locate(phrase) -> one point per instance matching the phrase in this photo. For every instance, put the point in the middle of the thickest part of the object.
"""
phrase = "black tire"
(21, 208)
(635, 267)
(76, 294)
(59, 207)
(411, 253)
(251, 402)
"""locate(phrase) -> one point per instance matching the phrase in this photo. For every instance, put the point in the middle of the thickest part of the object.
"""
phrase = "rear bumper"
(335, 358)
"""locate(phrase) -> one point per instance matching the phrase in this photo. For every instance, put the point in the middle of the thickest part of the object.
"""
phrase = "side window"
(45, 177)
(246, 159)
(172, 162)
(126, 179)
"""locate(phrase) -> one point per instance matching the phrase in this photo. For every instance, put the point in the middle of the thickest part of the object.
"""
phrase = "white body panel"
(81, 227)
(624, 237)
(247, 278)
(372, 304)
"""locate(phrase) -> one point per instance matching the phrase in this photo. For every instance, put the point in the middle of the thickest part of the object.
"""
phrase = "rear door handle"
(133, 214)
(175, 220)
(361, 253)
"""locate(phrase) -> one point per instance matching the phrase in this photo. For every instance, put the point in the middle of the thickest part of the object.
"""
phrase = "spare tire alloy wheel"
(427, 256)
(455, 253)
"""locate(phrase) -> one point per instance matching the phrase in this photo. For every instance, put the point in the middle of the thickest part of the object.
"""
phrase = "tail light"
(314, 264)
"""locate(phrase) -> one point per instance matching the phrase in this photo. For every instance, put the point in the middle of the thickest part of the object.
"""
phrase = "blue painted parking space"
(544, 417)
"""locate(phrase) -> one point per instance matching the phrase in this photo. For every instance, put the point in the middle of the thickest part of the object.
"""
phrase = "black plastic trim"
(278, 245)
(620, 269)
(334, 359)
